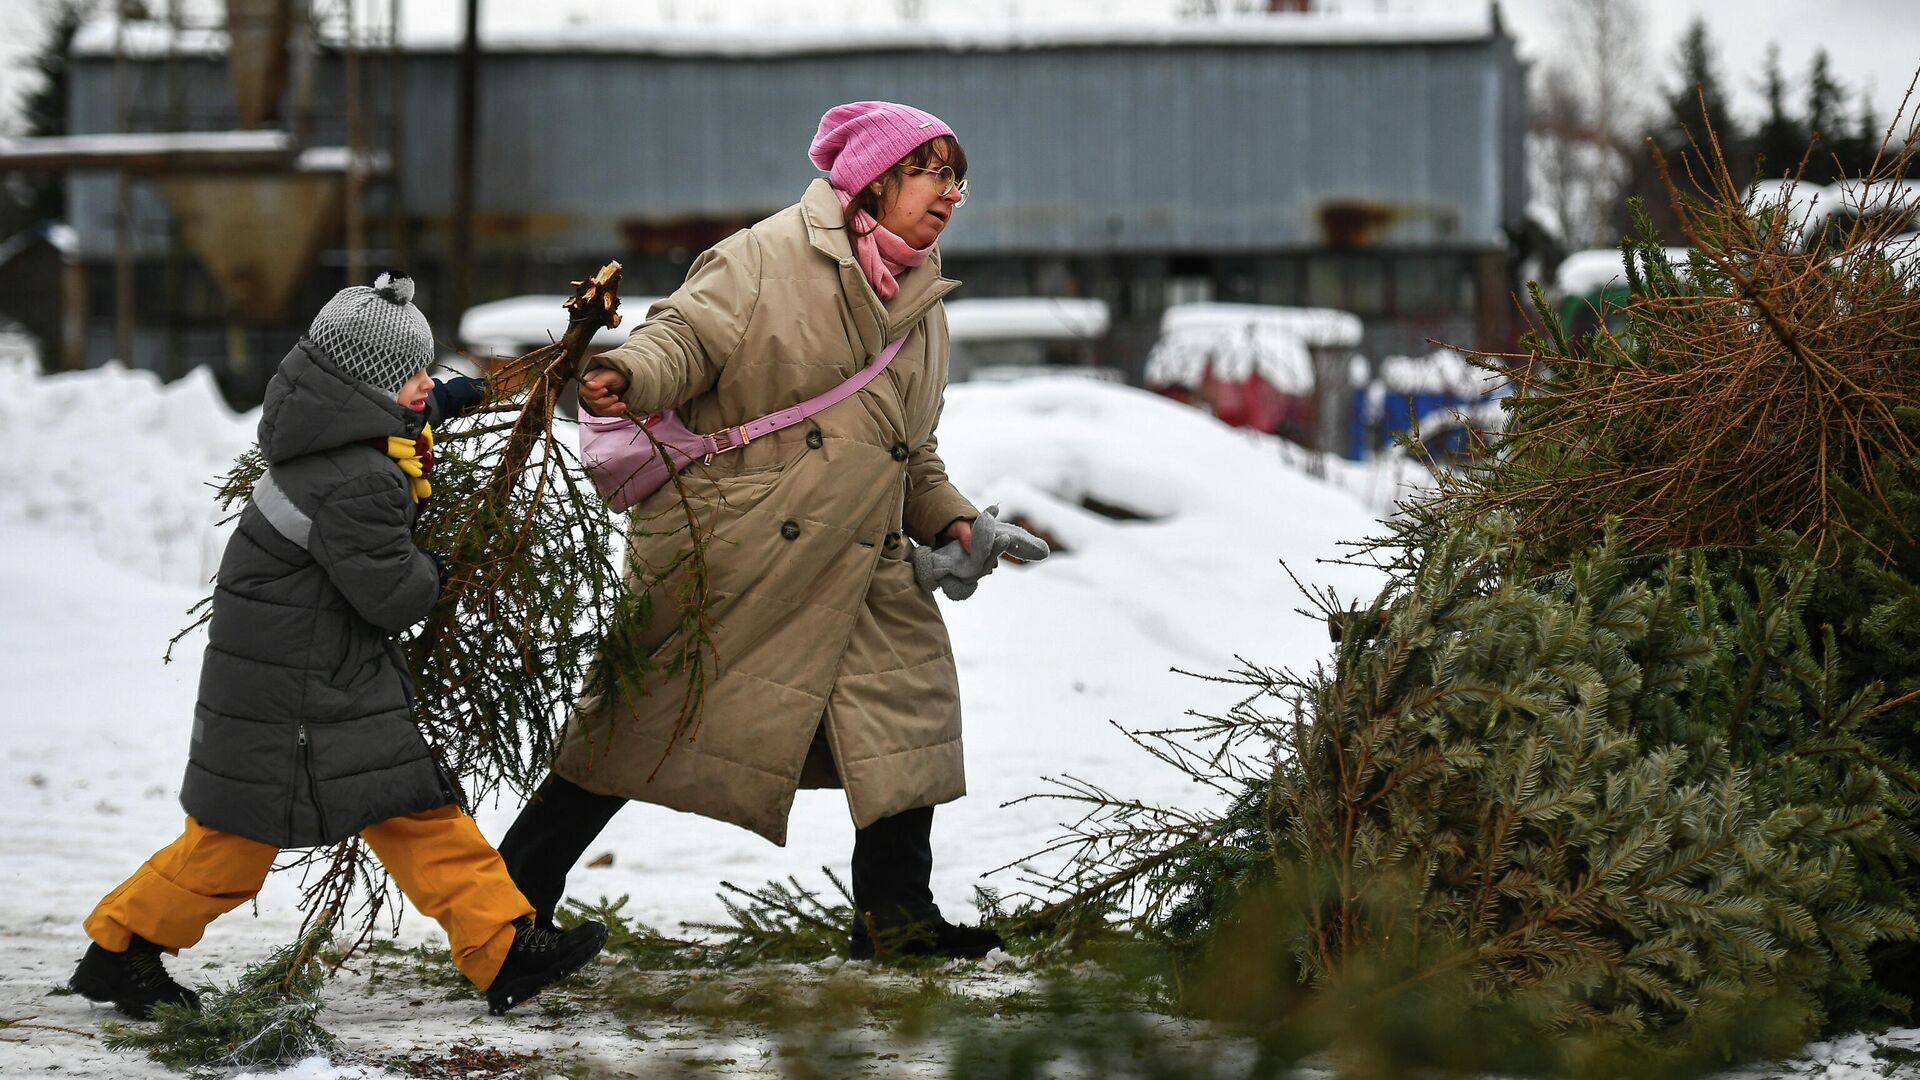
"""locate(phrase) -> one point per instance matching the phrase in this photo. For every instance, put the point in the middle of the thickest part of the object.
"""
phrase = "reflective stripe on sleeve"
(286, 518)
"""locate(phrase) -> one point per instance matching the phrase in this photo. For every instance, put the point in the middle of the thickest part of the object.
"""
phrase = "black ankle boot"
(929, 937)
(134, 981)
(539, 958)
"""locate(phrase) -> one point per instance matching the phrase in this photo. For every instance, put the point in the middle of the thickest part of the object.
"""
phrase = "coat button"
(899, 451)
(790, 529)
(892, 541)
(814, 440)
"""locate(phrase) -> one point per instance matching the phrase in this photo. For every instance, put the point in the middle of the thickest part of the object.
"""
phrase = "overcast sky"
(1875, 44)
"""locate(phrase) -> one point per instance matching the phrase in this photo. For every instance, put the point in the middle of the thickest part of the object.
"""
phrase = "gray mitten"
(956, 571)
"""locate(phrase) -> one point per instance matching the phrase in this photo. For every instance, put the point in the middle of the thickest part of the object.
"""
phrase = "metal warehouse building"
(1365, 164)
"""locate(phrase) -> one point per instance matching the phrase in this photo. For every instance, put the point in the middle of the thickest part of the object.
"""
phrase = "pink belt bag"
(626, 467)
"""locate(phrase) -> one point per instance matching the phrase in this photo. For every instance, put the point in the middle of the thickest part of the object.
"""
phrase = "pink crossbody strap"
(741, 434)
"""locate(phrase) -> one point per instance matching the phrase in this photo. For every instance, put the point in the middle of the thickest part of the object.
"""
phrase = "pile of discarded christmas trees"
(1618, 775)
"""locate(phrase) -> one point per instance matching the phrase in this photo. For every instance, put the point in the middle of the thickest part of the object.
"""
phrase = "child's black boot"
(134, 981)
(540, 957)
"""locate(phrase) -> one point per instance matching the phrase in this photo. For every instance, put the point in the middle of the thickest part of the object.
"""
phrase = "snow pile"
(17, 347)
(1172, 527)
(115, 460)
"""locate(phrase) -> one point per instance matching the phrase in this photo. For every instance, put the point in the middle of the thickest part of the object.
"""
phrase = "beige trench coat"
(817, 624)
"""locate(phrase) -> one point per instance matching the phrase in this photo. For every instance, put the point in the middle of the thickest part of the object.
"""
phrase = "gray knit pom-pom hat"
(375, 335)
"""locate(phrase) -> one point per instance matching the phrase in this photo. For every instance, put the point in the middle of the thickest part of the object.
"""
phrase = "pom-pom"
(394, 286)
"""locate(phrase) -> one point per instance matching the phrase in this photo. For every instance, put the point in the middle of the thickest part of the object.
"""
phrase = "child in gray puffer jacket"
(304, 732)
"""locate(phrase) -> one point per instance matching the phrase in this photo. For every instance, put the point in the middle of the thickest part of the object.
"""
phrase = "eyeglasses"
(951, 186)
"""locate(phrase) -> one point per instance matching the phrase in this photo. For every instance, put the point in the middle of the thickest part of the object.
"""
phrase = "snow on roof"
(58, 234)
(152, 40)
(1188, 357)
(64, 237)
(162, 149)
(1443, 371)
(1810, 206)
(146, 39)
(1006, 373)
(1316, 327)
(1026, 318)
(124, 144)
(1600, 268)
(520, 324)
(1849, 193)
(1903, 251)
(1232, 341)
(334, 159)
(1486, 416)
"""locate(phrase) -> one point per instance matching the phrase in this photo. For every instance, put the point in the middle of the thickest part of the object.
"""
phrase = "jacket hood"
(311, 406)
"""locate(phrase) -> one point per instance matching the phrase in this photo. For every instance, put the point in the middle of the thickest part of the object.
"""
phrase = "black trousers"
(892, 858)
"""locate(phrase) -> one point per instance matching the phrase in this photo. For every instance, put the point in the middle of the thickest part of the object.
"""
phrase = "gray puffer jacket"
(304, 731)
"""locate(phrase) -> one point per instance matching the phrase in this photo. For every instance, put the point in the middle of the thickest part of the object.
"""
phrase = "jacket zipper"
(299, 760)
(313, 786)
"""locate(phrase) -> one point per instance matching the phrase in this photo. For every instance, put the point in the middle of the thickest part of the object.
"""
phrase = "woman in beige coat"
(833, 665)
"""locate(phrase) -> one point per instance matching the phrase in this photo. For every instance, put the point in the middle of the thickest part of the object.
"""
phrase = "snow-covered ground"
(110, 530)
(108, 533)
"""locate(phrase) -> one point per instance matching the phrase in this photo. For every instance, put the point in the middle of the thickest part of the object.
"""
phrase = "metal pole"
(302, 49)
(176, 264)
(356, 146)
(123, 201)
(465, 147)
(396, 176)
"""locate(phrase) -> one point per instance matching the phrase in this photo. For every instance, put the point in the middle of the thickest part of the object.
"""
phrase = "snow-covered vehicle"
(996, 339)
(1590, 286)
(1441, 397)
(1289, 371)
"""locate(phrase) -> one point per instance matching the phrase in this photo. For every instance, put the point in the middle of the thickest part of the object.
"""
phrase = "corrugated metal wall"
(1085, 150)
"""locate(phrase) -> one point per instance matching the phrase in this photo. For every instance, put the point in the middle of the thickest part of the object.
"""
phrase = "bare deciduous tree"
(1588, 103)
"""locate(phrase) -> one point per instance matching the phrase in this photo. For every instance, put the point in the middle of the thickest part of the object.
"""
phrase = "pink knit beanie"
(862, 139)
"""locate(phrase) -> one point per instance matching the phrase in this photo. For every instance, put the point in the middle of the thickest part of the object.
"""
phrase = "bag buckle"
(738, 429)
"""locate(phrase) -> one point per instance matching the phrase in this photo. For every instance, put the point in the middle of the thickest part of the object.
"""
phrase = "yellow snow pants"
(437, 857)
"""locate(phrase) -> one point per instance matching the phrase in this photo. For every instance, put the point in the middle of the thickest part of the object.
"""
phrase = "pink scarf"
(882, 256)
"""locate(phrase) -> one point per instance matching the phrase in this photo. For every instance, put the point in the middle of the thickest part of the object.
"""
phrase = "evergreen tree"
(1826, 117)
(1863, 146)
(1781, 140)
(1698, 105)
(27, 199)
